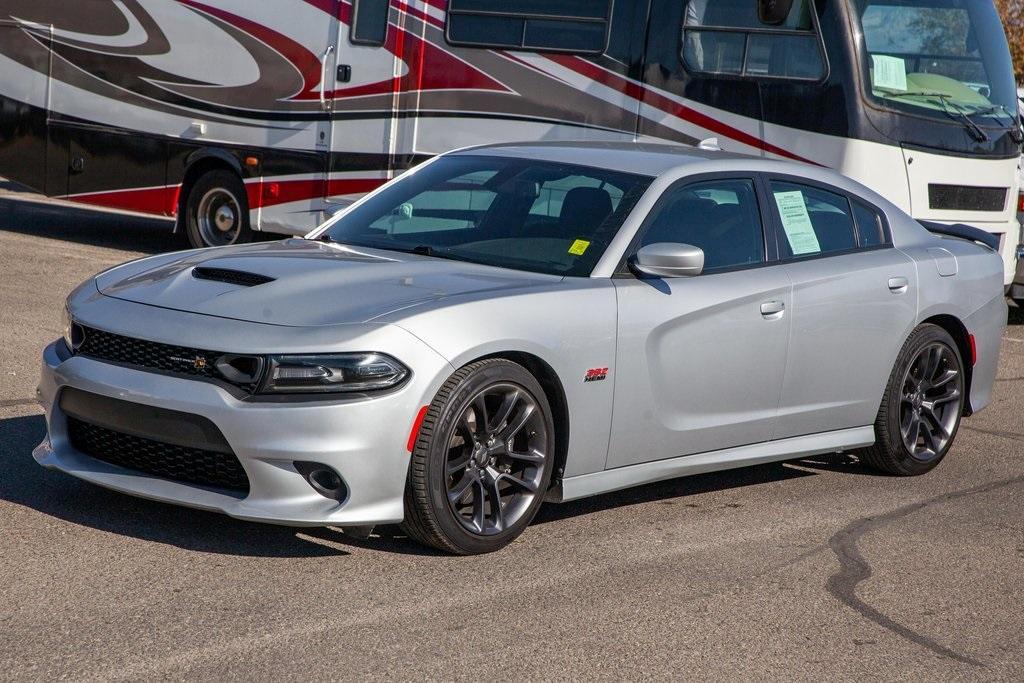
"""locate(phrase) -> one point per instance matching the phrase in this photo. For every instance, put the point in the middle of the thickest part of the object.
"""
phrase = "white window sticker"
(797, 223)
(890, 72)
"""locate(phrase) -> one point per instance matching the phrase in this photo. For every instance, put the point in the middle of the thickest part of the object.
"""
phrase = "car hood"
(309, 283)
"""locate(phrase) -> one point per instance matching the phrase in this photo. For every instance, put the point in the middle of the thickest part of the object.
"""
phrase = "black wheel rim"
(219, 217)
(931, 401)
(496, 459)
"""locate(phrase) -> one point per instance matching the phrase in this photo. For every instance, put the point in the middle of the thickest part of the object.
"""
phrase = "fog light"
(323, 479)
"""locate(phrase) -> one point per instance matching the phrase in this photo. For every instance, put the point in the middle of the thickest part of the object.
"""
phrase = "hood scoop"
(230, 276)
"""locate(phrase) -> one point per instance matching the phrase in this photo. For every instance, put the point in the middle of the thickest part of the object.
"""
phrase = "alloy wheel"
(931, 401)
(496, 455)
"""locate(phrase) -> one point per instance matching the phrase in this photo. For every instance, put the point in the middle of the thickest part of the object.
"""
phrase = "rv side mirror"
(667, 259)
(773, 12)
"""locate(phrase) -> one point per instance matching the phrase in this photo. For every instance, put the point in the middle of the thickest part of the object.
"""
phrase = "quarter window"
(732, 37)
(869, 225)
(813, 221)
(543, 25)
(719, 216)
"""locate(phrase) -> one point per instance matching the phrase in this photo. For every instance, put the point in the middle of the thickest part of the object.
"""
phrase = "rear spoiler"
(964, 232)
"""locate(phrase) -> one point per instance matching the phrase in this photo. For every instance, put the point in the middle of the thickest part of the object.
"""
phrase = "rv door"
(372, 61)
(24, 102)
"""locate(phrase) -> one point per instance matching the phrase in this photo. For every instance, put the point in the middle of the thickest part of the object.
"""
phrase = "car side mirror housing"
(668, 259)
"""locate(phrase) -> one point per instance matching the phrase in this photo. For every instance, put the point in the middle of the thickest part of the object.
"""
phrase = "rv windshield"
(514, 213)
(945, 58)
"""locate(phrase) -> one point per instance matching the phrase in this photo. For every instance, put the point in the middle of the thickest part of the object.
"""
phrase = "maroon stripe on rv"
(164, 200)
(648, 96)
(273, 192)
(155, 200)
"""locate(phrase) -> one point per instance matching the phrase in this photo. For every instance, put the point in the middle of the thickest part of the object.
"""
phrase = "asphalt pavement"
(811, 569)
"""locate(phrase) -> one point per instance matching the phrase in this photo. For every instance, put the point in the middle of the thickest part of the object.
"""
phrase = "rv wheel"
(217, 212)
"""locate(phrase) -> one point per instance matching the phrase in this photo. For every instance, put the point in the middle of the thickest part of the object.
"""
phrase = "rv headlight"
(330, 373)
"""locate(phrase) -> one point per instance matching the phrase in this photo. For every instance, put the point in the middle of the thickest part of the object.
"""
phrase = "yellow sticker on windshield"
(579, 247)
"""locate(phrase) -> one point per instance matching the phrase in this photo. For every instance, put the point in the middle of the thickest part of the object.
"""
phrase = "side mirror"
(667, 259)
(773, 12)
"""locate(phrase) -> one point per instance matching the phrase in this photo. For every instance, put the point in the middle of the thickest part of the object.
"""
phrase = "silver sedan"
(515, 324)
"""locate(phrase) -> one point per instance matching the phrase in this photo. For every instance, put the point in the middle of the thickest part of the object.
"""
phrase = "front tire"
(482, 461)
(920, 412)
(217, 211)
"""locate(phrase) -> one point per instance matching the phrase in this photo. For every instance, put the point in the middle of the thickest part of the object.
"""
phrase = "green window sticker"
(890, 73)
(797, 223)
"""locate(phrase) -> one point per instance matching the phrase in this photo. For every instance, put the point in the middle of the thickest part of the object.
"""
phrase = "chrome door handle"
(323, 77)
(773, 309)
(898, 285)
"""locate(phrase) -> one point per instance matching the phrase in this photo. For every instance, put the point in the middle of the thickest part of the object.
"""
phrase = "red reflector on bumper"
(417, 423)
(974, 350)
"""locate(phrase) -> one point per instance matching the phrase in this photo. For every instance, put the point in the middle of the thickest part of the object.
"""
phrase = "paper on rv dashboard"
(890, 72)
(797, 223)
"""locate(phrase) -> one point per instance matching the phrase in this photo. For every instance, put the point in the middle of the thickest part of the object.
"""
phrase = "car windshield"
(514, 213)
(939, 57)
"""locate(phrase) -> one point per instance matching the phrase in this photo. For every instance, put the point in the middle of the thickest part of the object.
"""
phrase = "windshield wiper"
(957, 112)
(1013, 129)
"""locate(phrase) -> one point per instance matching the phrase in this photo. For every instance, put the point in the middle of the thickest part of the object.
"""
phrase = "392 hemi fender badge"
(596, 374)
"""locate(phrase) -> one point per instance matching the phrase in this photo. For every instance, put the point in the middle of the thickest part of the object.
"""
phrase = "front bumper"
(363, 440)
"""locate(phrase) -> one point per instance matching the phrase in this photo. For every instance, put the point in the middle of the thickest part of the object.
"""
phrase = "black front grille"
(966, 198)
(178, 463)
(115, 348)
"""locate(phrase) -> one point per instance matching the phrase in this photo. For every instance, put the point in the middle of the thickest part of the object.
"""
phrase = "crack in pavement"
(854, 569)
(1013, 436)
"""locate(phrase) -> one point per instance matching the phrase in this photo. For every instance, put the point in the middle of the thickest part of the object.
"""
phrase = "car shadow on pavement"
(87, 226)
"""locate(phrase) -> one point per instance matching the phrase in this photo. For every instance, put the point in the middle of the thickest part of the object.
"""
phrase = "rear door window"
(813, 221)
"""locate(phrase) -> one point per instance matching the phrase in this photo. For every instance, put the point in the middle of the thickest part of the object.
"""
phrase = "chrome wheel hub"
(218, 217)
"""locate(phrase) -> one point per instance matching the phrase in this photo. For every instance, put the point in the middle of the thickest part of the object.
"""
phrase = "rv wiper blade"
(957, 111)
(940, 95)
(1013, 129)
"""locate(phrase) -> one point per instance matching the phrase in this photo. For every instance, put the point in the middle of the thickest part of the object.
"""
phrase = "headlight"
(329, 373)
(66, 332)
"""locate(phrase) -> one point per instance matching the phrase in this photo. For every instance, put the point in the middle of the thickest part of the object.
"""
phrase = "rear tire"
(921, 409)
(217, 211)
(482, 461)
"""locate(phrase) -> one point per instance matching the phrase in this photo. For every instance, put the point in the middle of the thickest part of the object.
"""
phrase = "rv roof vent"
(234, 277)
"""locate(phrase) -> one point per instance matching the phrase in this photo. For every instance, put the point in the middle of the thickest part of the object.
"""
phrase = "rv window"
(547, 26)
(728, 37)
(370, 22)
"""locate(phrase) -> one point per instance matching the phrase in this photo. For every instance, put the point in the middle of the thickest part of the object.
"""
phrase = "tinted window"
(727, 37)
(719, 216)
(869, 225)
(552, 25)
(370, 21)
(813, 221)
(515, 213)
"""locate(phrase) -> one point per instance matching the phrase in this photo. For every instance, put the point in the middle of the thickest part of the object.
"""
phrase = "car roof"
(630, 157)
